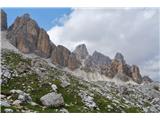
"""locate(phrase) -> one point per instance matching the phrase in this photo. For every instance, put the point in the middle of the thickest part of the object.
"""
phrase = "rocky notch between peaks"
(26, 35)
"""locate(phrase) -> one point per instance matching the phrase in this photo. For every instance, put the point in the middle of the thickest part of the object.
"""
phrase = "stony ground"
(33, 85)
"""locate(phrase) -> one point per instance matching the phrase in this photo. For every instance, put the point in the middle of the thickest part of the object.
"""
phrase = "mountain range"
(36, 72)
(26, 35)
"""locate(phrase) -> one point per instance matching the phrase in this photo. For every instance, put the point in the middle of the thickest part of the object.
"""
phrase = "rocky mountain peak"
(26, 16)
(3, 21)
(119, 57)
(28, 37)
(81, 51)
(100, 59)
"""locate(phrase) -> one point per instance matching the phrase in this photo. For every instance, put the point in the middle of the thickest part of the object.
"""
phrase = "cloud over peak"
(133, 32)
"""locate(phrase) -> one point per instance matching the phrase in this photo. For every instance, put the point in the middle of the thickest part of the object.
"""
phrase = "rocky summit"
(39, 76)
(3, 21)
(81, 51)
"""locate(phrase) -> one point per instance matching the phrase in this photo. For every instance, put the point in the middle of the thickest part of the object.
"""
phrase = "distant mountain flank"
(28, 37)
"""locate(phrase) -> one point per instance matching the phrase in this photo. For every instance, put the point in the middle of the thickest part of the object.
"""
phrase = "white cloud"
(134, 32)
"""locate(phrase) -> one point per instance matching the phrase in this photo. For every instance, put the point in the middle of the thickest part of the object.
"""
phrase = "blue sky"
(43, 16)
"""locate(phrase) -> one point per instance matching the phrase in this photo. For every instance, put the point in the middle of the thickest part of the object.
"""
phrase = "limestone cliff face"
(60, 56)
(136, 74)
(43, 47)
(63, 57)
(3, 21)
(28, 37)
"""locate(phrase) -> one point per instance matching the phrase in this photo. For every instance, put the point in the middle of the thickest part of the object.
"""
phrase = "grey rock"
(63, 110)
(81, 52)
(52, 99)
(54, 87)
(96, 61)
(33, 103)
(17, 102)
(122, 77)
(24, 98)
(4, 103)
(16, 91)
(120, 58)
(88, 100)
(7, 110)
(64, 84)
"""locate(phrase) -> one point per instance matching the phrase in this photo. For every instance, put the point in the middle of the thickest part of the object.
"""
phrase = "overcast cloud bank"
(133, 32)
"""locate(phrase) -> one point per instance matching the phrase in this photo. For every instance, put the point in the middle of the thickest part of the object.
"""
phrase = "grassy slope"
(36, 87)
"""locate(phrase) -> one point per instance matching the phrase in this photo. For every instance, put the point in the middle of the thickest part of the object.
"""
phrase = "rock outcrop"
(73, 63)
(3, 21)
(28, 37)
(63, 57)
(52, 99)
(147, 79)
(81, 52)
(43, 44)
(97, 61)
(136, 76)
(119, 57)
(60, 56)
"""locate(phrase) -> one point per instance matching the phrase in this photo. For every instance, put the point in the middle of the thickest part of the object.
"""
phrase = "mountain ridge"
(26, 35)
(61, 83)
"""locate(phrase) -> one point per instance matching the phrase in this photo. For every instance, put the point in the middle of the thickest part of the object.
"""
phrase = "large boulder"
(81, 52)
(4, 103)
(3, 21)
(52, 99)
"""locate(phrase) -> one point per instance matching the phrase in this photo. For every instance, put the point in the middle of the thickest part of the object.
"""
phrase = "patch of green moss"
(13, 59)
(133, 109)
(103, 104)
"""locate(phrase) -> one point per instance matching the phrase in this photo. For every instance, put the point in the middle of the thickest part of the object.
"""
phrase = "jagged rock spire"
(81, 51)
(119, 57)
(28, 37)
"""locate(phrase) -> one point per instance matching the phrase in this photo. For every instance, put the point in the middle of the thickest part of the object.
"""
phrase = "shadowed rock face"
(63, 57)
(119, 57)
(81, 52)
(136, 74)
(3, 21)
(60, 56)
(43, 44)
(73, 63)
(28, 37)
(97, 60)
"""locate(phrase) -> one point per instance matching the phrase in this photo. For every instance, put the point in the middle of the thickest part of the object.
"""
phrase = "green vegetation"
(37, 87)
(13, 59)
